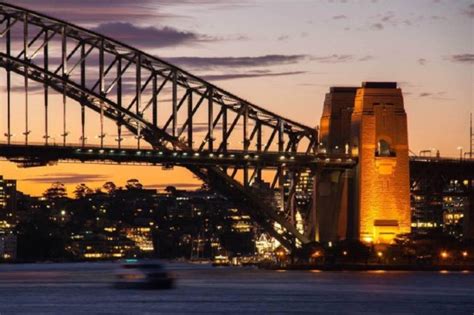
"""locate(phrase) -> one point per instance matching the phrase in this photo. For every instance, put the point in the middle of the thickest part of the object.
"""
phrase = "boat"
(146, 274)
(221, 260)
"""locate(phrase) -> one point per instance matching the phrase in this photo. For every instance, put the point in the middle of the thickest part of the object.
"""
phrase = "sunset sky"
(284, 55)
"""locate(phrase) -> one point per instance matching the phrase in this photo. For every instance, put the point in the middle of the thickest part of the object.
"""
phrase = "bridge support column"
(332, 190)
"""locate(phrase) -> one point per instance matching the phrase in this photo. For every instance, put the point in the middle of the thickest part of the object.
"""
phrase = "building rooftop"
(343, 89)
(379, 85)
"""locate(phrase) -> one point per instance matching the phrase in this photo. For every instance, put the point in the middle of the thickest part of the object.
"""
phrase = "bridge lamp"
(101, 151)
(139, 152)
(175, 154)
(379, 254)
(282, 157)
(211, 154)
(368, 239)
(196, 154)
(344, 253)
(444, 254)
(246, 156)
(63, 213)
(464, 254)
(185, 154)
(232, 156)
(112, 151)
(256, 156)
(221, 155)
(90, 150)
(316, 254)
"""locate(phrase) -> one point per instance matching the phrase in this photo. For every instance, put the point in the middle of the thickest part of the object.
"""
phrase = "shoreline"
(289, 267)
(372, 267)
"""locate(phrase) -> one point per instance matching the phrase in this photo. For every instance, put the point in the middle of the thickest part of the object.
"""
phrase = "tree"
(109, 187)
(171, 190)
(56, 191)
(82, 190)
(133, 184)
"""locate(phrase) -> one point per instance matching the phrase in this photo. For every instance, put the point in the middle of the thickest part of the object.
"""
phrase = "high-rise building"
(8, 242)
(8, 198)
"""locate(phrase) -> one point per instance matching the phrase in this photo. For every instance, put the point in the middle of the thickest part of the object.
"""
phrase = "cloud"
(335, 58)
(177, 185)
(93, 11)
(233, 76)
(422, 61)
(377, 26)
(66, 178)
(149, 36)
(32, 89)
(469, 11)
(100, 11)
(440, 96)
(366, 58)
(461, 58)
(208, 63)
(339, 17)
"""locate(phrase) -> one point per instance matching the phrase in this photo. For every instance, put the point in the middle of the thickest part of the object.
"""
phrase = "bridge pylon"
(371, 202)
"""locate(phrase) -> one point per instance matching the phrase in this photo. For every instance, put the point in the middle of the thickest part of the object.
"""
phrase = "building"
(8, 198)
(8, 242)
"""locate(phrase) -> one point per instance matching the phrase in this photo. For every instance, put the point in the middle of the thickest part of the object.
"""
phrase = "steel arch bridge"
(97, 84)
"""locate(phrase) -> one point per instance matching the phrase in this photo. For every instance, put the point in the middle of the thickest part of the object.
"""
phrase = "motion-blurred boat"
(147, 274)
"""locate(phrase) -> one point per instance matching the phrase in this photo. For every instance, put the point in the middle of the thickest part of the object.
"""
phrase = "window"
(383, 149)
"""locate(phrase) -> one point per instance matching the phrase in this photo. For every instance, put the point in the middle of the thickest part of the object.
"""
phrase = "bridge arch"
(94, 71)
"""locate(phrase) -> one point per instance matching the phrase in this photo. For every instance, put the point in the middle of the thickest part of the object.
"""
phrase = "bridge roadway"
(40, 154)
(447, 167)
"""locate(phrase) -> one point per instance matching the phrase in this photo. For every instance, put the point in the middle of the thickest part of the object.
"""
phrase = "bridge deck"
(36, 155)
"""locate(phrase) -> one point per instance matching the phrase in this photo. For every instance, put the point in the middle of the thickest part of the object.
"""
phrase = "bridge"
(144, 110)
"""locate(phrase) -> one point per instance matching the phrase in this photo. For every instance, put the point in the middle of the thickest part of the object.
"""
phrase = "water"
(85, 288)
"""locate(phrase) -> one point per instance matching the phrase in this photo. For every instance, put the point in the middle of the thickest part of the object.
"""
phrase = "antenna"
(471, 136)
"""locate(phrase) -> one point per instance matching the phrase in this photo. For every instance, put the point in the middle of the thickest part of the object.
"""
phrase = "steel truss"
(166, 108)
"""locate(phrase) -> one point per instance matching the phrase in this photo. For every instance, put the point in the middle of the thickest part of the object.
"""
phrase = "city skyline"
(424, 46)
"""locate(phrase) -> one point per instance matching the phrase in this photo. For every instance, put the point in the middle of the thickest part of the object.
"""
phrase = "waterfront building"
(8, 198)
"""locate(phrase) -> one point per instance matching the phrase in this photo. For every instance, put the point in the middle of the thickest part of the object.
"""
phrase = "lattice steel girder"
(67, 70)
(145, 63)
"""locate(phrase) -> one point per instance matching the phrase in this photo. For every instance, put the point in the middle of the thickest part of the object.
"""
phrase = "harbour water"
(86, 288)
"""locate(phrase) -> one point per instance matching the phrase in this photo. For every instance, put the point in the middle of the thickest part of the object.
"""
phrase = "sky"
(284, 55)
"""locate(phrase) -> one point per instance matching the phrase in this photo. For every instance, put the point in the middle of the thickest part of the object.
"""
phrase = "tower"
(379, 140)
(335, 125)
(334, 188)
